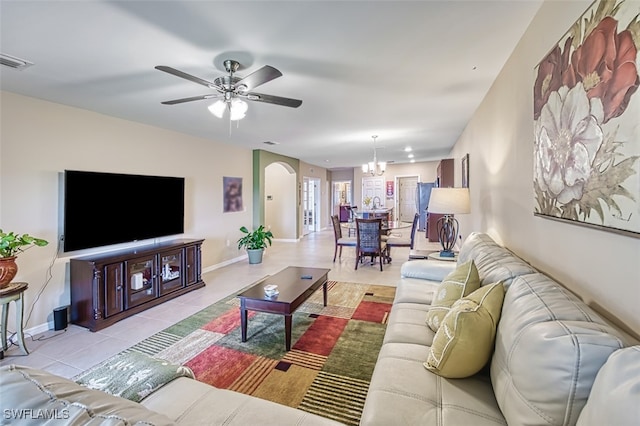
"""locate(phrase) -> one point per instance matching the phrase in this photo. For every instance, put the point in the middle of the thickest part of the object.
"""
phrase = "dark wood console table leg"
(243, 320)
(287, 332)
(324, 292)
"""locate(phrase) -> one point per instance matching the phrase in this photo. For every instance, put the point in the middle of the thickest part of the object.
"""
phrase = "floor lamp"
(448, 201)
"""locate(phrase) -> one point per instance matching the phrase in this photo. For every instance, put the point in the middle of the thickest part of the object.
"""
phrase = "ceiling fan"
(231, 90)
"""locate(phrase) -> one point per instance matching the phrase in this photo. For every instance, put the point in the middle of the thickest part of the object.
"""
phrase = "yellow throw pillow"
(464, 342)
(461, 282)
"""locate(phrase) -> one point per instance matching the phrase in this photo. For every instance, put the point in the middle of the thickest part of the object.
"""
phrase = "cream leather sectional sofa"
(34, 397)
(556, 361)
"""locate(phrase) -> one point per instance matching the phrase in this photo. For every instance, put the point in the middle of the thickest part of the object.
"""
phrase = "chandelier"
(237, 107)
(374, 167)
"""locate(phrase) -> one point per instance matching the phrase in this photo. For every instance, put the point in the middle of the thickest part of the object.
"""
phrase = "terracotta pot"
(8, 270)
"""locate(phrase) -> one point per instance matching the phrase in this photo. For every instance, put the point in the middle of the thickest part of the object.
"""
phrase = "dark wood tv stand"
(108, 287)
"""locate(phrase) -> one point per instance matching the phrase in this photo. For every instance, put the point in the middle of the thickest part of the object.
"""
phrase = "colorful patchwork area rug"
(326, 372)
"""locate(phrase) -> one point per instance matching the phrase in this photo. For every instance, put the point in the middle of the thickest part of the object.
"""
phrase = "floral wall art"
(587, 122)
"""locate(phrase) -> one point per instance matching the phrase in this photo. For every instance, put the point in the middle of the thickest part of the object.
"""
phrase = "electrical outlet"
(228, 243)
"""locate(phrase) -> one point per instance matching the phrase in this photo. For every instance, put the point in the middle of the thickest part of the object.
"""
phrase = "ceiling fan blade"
(186, 76)
(193, 98)
(277, 100)
(255, 79)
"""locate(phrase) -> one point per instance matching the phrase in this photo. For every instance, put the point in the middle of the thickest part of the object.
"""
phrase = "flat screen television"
(102, 209)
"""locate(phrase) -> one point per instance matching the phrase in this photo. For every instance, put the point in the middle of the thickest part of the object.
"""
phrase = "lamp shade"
(238, 109)
(449, 201)
(217, 108)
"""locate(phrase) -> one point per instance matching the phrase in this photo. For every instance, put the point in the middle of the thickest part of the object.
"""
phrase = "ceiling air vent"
(270, 143)
(13, 62)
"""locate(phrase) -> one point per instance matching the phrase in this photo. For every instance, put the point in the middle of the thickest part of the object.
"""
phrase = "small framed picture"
(232, 187)
(465, 171)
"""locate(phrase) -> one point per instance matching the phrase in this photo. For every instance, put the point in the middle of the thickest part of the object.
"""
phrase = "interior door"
(307, 213)
(407, 198)
(373, 187)
(311, 205)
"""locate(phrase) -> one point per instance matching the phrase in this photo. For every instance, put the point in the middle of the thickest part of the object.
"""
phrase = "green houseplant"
(255, 242)
(12, 244)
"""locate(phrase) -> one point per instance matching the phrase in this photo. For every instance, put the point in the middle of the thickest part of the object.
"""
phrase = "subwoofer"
(60, 318)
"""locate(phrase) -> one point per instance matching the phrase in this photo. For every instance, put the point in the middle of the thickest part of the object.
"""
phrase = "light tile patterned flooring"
(68, 353)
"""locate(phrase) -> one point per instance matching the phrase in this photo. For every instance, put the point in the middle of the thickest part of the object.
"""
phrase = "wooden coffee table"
(293, 291)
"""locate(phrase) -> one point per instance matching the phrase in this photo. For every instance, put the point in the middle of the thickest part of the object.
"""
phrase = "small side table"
(436, 256)
(420, 254)
(13, 293)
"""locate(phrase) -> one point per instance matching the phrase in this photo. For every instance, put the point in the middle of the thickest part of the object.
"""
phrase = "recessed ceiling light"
(408, 149)
(412, 161)
(410, 155)
(327, 161)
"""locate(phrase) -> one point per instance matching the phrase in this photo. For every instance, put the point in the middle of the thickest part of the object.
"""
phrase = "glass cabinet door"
(141, 280)
(171, 273)
(113, 286)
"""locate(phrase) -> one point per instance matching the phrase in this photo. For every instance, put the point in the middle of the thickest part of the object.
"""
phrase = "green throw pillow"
(464, 343)
(459, 283)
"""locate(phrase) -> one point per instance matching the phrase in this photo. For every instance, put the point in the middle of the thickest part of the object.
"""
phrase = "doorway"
(310, 205)
(407, 187)
(341, 196)
(373, 190)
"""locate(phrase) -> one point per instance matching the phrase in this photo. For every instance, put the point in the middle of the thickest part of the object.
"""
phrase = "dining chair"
(402, 241)
(369, 241)
(353, 214)
(340, 240)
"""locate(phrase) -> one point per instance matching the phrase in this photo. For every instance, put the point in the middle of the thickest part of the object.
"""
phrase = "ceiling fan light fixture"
(238, 109)
(217, 108)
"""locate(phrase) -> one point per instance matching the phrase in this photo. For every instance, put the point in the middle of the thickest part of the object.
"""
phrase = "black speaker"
(60, 318)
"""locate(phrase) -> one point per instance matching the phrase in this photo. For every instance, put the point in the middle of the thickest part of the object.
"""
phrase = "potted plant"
(255, 242)
(12, 244)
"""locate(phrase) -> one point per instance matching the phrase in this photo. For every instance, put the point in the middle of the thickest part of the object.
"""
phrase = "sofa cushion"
(459, 283)
(406, 324)
(414, 290)
(427, 270)
(464, 342)
(403, 393)
(25, 388)
(494, 262)
(615, 395)
(190, 402)
(549, 348)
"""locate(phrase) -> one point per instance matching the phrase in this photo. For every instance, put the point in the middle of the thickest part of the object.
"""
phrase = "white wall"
(603, 267)
(280, 211)
(426, 170)
(39, 140)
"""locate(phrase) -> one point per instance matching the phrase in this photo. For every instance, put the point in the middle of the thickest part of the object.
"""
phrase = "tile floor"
(68, 353)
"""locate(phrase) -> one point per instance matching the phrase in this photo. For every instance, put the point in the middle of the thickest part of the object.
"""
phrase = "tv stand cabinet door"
(142, 280)
(114, 289)
(171, 276)
(192, 263)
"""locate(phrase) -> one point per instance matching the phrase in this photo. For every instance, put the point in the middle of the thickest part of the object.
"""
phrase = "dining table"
(387, 226)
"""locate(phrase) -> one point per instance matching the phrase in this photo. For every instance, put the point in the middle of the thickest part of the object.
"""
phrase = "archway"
(280, 205)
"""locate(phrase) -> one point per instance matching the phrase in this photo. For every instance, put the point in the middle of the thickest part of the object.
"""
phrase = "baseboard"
(223, 264)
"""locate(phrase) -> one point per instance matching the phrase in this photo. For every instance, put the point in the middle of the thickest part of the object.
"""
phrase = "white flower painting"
(587, 122)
